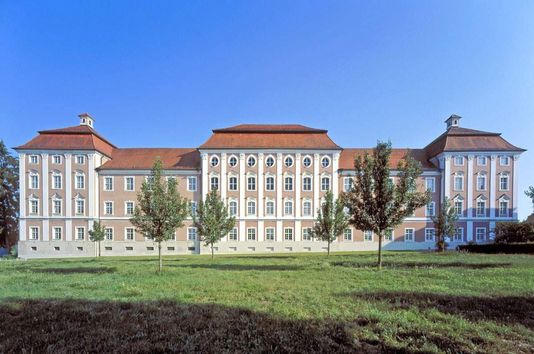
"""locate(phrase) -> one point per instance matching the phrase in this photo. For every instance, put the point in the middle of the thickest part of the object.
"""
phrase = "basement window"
(150, 248)
(252, 249)
(34, 248)
(270, 249)
(108, 248)
(80, 248)
(56, 248)
(289, 249)
(307, 249)
(234, 249)
(191, 248)
(170, 248)
(129, 248)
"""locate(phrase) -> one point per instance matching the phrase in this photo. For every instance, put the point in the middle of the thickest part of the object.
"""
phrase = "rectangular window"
(56, 181)
(325, 184)
(431, 209)
(307, 234)
(56, 206)
(129, 184)
(368, 235)
(481, 182)
(429, 234)
(232, 236)
(214, 183)
(192, 208)
(307, 184)
(347, 184)
(459, 183)
(191, 233)
(269, 234)
(130, 234)
(269, 183)
(481, 208)
(108, 234)
(34, 159)
(80, 233)
(192, 183)
(459, 234)
(251, 183)
(458, 160)
(57, 233)
(34, 233)
(481, 233)
(481, 160)
(288, 207)
(80, 206)
(503, 182)
(34, 206)
(251, 207)
(251, 234)
(108, 208)
(232, 183)
(409, 235)
(80, 159)
(129, 208)
(108, 183)
(34, 181)
(504, 161)
(80, 181)
(288, 234)
(430, 184)
(56, 159)
(288, 183)
(459, 207)
(347, 235)
(389, 235)
(269, 208)
(503, 208)
(232, 208)
(306, 208)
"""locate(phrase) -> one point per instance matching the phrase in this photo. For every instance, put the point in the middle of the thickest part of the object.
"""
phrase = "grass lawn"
(420, 302)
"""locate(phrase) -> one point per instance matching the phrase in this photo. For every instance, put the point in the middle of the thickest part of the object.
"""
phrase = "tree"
(160, 209)
(445, 223)
(530, 193)
(212, 220)
(377, 204)
(97, 234)
(331, 220)
(9, 198)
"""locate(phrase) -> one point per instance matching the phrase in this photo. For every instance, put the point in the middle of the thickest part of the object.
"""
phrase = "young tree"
(445, 223)
(530, 193)
(160, 209)
(331, 220)
(376, 203)
(9, 198)
(212, 220)
(97, 234)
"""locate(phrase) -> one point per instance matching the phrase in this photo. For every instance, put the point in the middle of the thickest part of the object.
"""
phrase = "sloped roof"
(269, 136)
(346, 160)
(79, 137)
(463, 139)
(143, 159)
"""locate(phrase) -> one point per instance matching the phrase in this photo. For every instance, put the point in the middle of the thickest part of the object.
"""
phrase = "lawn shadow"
(262, 257)
(105, 326)
(240, 267)
(76, 270)
(394, 264)
(501, 309)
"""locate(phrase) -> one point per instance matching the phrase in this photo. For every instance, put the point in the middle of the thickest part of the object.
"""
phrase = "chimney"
(453, 121)
(86, 119)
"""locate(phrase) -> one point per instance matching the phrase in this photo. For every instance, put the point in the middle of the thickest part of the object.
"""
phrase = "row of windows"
(270, 207)
(129, 183)
(57, 159)
(57, 206)
(57, 180)
(481, 207)
(481, 184)
(269, 161)
(270, 183)
(482, 160)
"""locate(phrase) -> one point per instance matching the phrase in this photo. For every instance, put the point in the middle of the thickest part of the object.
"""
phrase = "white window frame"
(55, 176)
(56, 159)
(461, 201)
(233, 186)
(33, 159)
(270, 158)
(456, 234)
(507, 212)
(307, 158)
(192, 182)
(267, 202)
(192, 233)
(126, 184)
(291, 207)
(270, 238)
(230, 203)
(233, 158)
(481, 176)
(433, 231)
(253, 159)
(212, 184)
(54, 201)
(289, 158)
(106, 235)
(329, 187)
(306, 201)
(31, 235)
(286, 184)
(328, 161)
(456, 160)
(214, 161)
(76, 206)
(433, 206)
(479, 163)
(477, 233)
(406, 234)
(507, 159)
(480, 213)
(77, 234)
(80, 159)
(267, 183)
(251, 206)
(307, 234)
(307, 187)
(79, 177)
(505, 176)
(392, 235)
(126, 202)
(110, 178)
(251, 186)
(106, 204)
(349, 234)
(233, 235)
(432, 188)
(126, 229)
(292, 234)
(365, 233)
(460, 177)
(54, 233)
(30, 205)
(347, 183)
(249, 234)
(31, 185)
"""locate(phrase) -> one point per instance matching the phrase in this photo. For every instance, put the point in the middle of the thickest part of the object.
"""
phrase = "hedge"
(526, 248)
(510, 232)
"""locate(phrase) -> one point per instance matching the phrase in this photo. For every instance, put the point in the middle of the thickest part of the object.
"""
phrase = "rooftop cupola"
(453, 121)
(86, 119)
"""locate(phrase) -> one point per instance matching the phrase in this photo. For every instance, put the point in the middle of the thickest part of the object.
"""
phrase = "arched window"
(232, 183)
(269, 183)
(306, 207)
(34, 180)
(288, 183)
(325, 183)
(307, 183)
(56, 180)
(269, 207)
(232, 207)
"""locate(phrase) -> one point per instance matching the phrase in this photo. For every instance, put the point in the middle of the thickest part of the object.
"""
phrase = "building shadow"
(240, 267)
(508, 310)
(76, 270)
(386, 264)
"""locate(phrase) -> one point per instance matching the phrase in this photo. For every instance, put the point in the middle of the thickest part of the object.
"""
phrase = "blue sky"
(163, 73)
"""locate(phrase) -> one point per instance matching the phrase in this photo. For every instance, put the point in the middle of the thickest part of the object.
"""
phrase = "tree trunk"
(160, 259)
(379, 251)
(328, 250)
(98, 248)
(212, 251)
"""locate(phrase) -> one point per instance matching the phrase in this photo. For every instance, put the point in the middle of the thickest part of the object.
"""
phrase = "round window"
(232, 161)
(307, 161)
(288, 161)
(251, 161)
(325, 162)
(270, 161)
(214, 161)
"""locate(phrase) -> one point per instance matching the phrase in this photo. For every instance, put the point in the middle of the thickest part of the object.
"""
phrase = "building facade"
(273, 178)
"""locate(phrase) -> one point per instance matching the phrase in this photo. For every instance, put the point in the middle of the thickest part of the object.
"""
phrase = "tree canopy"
(9, 197)
(331, 220)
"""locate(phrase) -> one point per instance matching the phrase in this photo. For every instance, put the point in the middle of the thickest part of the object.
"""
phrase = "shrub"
(526, 248)
(513, 232)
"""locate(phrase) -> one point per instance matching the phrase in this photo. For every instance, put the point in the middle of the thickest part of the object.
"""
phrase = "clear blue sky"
(163, 73)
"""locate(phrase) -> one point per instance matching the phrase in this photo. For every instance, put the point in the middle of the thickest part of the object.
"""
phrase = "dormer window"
(86, 119)
(453, 121)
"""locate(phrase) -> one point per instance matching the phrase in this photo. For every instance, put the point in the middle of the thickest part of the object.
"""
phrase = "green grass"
(419, 302)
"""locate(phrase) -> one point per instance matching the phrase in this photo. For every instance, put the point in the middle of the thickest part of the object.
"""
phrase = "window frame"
(289, 158)
(267, 184)
(272, 237)
(406, 229)
(329, 184)
(291, 184)
(291, 234)
(433, 180)
(106, 178)
(456, 161)
(233, 186)
(427, 229)
(477, 229)
(126, 229)
(54, 229)
(253, 234)
(328, 161)
(192, 181)
(31, 234)
(126, 178)
(349, 239)
(106, 204)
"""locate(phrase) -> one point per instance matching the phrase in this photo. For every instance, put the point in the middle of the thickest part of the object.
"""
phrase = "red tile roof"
(256, 136)
(346, 160)
(463, 139)
(143, 159)
(79, 137)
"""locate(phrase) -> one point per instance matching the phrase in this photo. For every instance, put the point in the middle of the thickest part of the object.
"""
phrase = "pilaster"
(22, 198)
(515, 187)
(493, 184)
